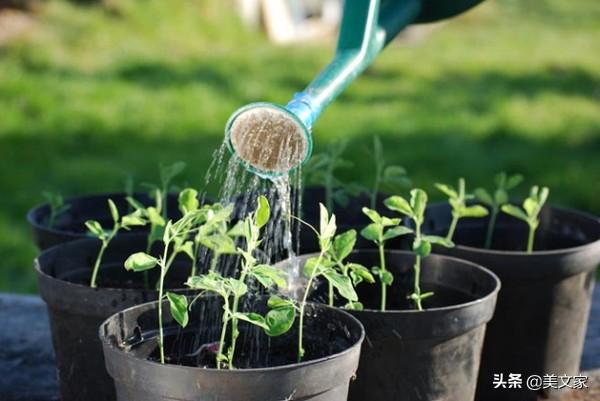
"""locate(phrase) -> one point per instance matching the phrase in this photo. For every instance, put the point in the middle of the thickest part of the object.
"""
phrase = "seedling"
(281, 316)
(322, 169)
(167, 174)
(532, 206)
(321, 266)
(415, 210)
(176, 241)
(379, 231)
(385, 175)
(57, 207)
(503, 183)
(458, 200)
(96, 230)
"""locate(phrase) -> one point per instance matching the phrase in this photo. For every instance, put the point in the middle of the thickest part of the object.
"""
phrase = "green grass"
(91, 94)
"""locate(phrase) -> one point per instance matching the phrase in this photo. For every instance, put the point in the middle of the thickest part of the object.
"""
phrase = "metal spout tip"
(268, 139)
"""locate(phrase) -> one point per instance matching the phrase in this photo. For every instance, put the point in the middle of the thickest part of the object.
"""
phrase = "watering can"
(271, 139)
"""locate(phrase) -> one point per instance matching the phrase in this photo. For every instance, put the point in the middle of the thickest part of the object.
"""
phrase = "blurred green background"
(90, 93)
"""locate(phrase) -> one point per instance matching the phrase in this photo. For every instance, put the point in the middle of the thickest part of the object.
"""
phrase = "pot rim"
(486, 298)
(121, 237)
(548, 252)
(214, 371)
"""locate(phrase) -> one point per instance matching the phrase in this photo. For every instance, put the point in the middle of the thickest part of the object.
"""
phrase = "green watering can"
(272, 140)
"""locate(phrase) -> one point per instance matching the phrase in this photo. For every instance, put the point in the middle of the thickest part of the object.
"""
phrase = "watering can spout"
(272, 140)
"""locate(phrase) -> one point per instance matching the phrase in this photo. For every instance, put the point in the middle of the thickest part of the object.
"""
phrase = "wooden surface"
(27, 370)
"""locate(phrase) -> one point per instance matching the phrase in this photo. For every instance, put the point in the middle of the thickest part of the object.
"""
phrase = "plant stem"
(330, 294)
(223, 331)
(452, 227)
(490, 228)
(417, 268)
(97, 263)
(383, 269)
(164, 265)
(531, 239)
(303, 305)
(234, 321)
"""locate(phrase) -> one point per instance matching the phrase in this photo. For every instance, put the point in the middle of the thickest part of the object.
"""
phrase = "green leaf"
(500, 180)
(187, 248)
(426, 295)
(327, 225)
(134, 203)
(447, 190)
(276, 301)
(434, 239)
(342, 284)
(95, 228)
(484, 196)
(394, 172)
(372, 215)
(396, 232)
(398, 204)
(371, 232)
(154, 216)
(473, 211)
(280, 320)
(238, 287)
(513, 181)
(263, 212)
(212, 282)
(343, 244)
(501, 196)
(530, 205)
(515, 212)
(253, 318)
(418, 202)
(543, 197)
(360, 272)
(237, 230)
(220, 243)
(140, 261)
(113, 210)
(387, 222)
(310, 266)
(422, 248)
(386, 277)
(179, 308)
(269, 275)
(188, 200)
(133, 219)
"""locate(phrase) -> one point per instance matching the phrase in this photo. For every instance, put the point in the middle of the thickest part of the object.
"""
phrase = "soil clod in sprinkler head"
(268, 139)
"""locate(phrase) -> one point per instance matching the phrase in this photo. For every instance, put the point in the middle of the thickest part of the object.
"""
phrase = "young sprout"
(281, 315)
(504, 183)
(322, 266)
(458, 201)
(321, 170)
(175, 241)
(532, 206)
(385, 175)
(379, 231)
(415, 210)
(95, 229)
(57, 207)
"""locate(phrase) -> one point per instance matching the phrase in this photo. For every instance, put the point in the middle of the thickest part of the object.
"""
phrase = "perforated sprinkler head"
(270, 140)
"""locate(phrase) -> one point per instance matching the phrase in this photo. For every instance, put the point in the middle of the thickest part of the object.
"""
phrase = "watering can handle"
(367, 26)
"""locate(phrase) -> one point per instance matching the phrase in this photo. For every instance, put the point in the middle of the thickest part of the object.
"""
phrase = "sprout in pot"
(532, 206)
(415, 210)
(282, 313)
(494, 202)
(96, 230)
(390, 176)
(57, 207)
(176, 240)
(379, 231)
(457, 198)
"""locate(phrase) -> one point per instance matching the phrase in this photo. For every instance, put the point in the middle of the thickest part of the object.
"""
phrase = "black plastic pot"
(76, 310)
(70, 225)
(270, 373)
(541, 318)
(425, 355)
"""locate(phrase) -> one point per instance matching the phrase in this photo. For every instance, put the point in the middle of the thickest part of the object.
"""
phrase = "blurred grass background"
(91, 93)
